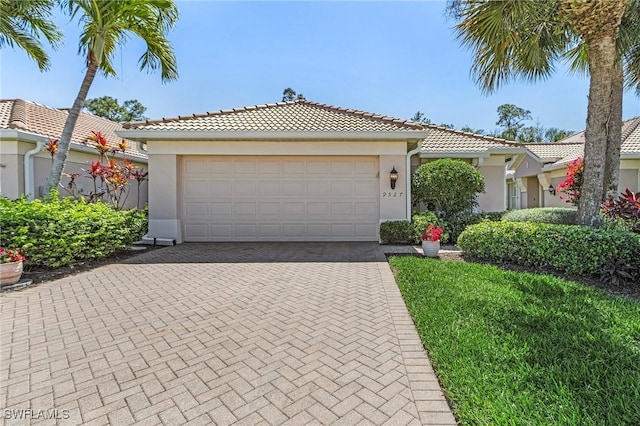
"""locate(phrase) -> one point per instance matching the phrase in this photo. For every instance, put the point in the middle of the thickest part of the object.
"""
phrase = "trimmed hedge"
(404, 232)
(558, 215)
(396, 232)
(55, 233)
(568, 248)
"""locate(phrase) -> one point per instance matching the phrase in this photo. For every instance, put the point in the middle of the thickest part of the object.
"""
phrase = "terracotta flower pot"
(10, 273)
(431, 248)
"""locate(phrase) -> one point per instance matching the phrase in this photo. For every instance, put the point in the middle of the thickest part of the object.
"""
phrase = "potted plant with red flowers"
(431, 240)
(10, 266)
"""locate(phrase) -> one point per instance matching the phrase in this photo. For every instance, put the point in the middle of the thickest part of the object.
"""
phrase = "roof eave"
(21, 135)
(150, 135)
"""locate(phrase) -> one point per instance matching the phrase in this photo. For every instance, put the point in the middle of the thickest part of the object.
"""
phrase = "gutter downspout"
(408, 171)
(28, 170)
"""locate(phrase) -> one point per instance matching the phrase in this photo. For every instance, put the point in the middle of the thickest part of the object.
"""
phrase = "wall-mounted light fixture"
(393, 177)
(551, 190)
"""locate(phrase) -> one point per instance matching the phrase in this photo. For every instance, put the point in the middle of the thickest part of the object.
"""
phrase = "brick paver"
(296, 333)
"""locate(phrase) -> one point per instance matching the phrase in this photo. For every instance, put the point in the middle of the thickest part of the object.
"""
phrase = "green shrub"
(396, 232)
(420, 221)
(56, 232)
(447, 186)
(558, 215)
(568, 248)
(454, 226)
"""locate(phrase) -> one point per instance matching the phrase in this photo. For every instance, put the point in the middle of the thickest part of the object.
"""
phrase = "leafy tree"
(510, 119)
(472, 130)
(419, 117)
(109, 108)
(531, 134)
(553, 134)
(24, 22)
(447, 186)
(524, 38)
(289, 95)
(106, 25)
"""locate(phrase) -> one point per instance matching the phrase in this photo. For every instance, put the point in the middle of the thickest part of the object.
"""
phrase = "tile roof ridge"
(474, 135)
(133, 124)
(632, 127)
(552, 143)
(383, 118)
(360, 113)
(18, 117)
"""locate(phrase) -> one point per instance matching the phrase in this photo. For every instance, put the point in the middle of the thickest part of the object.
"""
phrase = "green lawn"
(515, 348)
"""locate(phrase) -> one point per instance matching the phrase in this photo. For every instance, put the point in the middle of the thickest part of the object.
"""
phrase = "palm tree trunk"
(602, 56)
(65, 139)
(614, 137)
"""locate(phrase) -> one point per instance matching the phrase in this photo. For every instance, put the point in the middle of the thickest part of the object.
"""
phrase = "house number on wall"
(392, 194)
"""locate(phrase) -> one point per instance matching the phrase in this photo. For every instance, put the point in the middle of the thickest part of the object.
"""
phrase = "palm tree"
(106, 25)
(525, 38)
(23, 23)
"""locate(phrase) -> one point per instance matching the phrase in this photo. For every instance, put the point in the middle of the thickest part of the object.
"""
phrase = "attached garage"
(280, 198)
(292, 171)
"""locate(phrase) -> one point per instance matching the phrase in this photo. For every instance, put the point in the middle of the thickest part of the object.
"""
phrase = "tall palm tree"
(107, 24)
(525, 39)
(23, 23)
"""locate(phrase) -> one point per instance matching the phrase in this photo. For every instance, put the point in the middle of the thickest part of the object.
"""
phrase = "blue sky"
(392, 58)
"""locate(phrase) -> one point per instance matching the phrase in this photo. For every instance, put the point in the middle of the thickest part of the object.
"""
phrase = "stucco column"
(164, 203)
(393, 202)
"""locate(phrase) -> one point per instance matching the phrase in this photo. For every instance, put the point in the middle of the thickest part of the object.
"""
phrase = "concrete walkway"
(218, 334)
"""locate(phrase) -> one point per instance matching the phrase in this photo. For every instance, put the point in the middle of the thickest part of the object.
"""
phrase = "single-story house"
(533, 178)
(25, 128)
(296, 171)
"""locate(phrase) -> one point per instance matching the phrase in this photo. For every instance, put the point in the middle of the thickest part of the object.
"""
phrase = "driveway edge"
(432, 406)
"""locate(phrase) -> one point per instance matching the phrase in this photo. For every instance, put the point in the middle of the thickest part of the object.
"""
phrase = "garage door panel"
(295, 189)
(244, 188)
(243, 166)
(269, 189)
(221, 208)
(366, 188)
(218, 188)
(318, 167)
(280, 198)
(244, 209)
(273, 167)
(269, 209)
(293, 209)
(318, 188)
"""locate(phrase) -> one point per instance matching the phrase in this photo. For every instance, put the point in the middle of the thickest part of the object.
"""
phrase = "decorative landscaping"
(56, 233)
(523, 348)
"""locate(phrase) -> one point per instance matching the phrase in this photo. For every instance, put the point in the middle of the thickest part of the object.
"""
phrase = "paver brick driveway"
(217, 334)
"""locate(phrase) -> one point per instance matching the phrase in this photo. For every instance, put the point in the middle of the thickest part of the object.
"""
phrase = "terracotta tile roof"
(630, 136)
(46, 121)
(299, 115)
(441, 140)
(551, 152)
(630, 144)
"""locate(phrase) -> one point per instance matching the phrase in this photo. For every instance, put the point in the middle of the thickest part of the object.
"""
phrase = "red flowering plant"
(11, 255)
(572, 183)
(626, 209)
(110, 178)
(431, 233)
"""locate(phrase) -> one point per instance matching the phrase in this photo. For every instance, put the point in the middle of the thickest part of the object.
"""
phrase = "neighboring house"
(25, 127)
(488, 154)
(533, 178)
(295, 171)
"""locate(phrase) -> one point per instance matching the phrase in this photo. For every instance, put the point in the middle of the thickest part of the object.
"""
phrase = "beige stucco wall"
(629, 175)
(12, 175)
(165, 159)
(494, 197)
(528, 167)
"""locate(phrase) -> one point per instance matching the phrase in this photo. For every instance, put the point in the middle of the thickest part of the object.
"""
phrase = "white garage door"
(269, 198)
